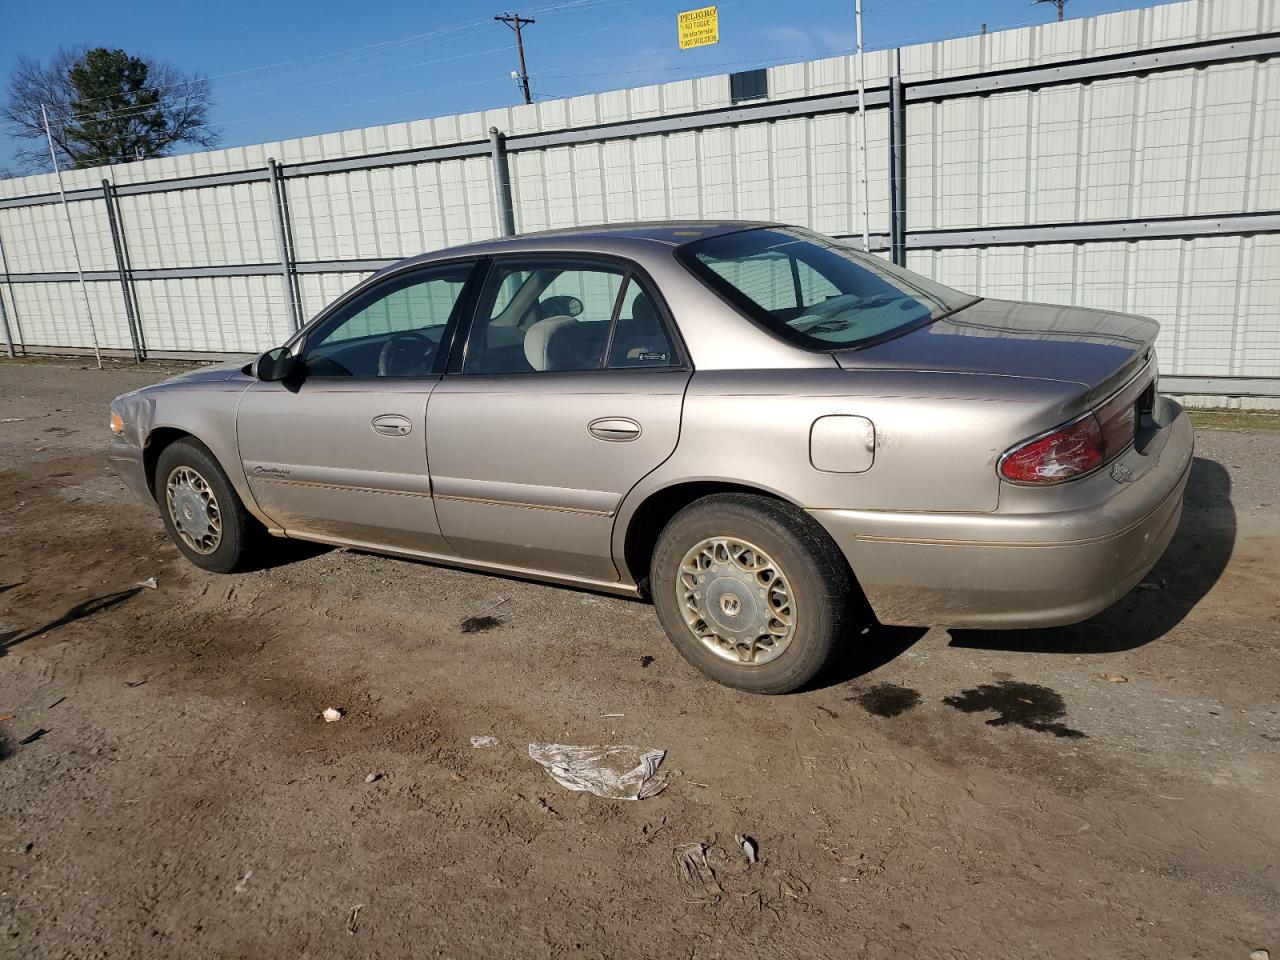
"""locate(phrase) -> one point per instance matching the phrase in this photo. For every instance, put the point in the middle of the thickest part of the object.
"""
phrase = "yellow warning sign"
(698, 28)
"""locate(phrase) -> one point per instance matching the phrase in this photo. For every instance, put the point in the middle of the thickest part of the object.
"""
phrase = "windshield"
(815, 292)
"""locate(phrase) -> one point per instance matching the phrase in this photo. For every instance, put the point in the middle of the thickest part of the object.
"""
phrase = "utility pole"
(1060, 4)
(515, 22)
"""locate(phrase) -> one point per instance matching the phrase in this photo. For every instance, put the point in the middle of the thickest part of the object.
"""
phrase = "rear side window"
(815, 292)
(555, 316)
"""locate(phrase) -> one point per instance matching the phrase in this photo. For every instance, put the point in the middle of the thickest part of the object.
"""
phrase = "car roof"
(607, 237)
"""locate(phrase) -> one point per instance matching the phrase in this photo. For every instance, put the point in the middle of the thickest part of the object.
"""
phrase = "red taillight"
(1074, 450)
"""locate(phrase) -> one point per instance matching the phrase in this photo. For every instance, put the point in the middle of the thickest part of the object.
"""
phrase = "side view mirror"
(276, 364)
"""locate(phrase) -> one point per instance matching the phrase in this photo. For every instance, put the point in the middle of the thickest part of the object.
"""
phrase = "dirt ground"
(168, 788)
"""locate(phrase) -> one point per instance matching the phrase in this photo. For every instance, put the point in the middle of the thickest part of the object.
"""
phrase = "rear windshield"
(815, 292)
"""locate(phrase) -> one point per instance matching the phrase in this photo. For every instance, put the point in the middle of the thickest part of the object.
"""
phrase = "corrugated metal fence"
(1130, 161)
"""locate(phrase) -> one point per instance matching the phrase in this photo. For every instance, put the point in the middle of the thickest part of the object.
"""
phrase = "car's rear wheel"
(201, 510)
(751, 591)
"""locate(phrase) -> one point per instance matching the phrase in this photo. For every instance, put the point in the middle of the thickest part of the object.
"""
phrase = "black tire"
(813, 568)
(239, 530)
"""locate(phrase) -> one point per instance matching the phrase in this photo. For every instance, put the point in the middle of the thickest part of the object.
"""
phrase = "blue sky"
(287, 69)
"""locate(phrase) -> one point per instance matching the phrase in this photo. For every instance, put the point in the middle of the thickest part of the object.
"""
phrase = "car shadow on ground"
(80, 611)
(281, 552)
(869, 648)
(1191, 565)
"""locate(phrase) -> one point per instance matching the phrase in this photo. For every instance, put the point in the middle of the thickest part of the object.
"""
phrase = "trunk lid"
(1097, 349)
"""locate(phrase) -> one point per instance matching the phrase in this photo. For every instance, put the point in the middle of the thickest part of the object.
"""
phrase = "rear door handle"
(392, 425)
(614, 429)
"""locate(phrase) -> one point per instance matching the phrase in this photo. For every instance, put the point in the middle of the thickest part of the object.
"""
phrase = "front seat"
(553, 344)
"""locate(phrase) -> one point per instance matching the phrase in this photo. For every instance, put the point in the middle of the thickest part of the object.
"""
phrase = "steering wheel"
(405, 355)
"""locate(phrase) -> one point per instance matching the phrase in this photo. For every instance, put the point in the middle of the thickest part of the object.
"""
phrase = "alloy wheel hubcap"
(194, 510)
(736, 600)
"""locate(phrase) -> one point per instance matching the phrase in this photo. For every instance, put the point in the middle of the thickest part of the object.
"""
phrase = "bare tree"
(105, 106)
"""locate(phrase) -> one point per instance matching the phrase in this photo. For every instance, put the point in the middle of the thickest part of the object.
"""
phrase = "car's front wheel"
(751, 591)
(201, 511)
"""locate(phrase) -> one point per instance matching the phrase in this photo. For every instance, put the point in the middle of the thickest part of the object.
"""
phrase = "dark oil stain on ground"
(646, 660)
(1022, 704)
(480, 624)
(887, 699)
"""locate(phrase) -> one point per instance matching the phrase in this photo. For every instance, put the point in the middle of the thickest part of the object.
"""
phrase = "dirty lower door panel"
(529, 471)
(342, 460)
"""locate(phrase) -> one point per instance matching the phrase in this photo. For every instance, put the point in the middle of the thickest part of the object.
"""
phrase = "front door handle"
(392, 425)
(614, 429)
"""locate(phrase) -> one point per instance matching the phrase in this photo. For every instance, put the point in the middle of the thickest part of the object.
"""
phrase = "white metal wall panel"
(391, 212)
(53, 315)
(529, 189)
(1178, 144)
(212, 226)
(36, 239)
(212, 314)
(1217, 298)
(800, 170)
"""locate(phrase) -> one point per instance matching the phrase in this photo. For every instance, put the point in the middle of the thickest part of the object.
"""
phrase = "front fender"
(205, 410)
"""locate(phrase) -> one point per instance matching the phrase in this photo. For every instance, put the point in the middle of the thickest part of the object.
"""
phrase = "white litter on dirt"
(614, 772)
(481, 743)
(150, 582)
(696, 872)
(331, 714)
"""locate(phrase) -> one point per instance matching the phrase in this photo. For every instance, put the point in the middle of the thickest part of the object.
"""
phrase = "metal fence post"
(4, 319)
(897, 166)
(282, 242)
(291, 248)
(502, 182)
(8, 335)
(129, 312)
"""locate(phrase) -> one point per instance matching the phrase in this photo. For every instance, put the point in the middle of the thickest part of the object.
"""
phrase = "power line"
(364, 51)
(381, 49)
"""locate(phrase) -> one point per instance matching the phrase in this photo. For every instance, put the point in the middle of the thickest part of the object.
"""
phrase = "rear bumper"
(126, 461)
(1018, 568)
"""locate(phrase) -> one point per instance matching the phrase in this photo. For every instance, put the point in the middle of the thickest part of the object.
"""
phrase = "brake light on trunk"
(1071, 451)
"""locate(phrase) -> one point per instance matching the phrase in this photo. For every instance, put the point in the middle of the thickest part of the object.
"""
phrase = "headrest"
(538, 340)
(643, 310)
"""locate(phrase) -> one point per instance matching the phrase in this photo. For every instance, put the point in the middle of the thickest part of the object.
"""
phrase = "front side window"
(815, 292)
(560, 316)
(394, 330)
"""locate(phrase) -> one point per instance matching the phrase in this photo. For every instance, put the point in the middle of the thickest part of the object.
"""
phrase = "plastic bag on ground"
(613, 772)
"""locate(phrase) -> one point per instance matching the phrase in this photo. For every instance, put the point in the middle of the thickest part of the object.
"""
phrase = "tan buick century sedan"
(751, 424)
